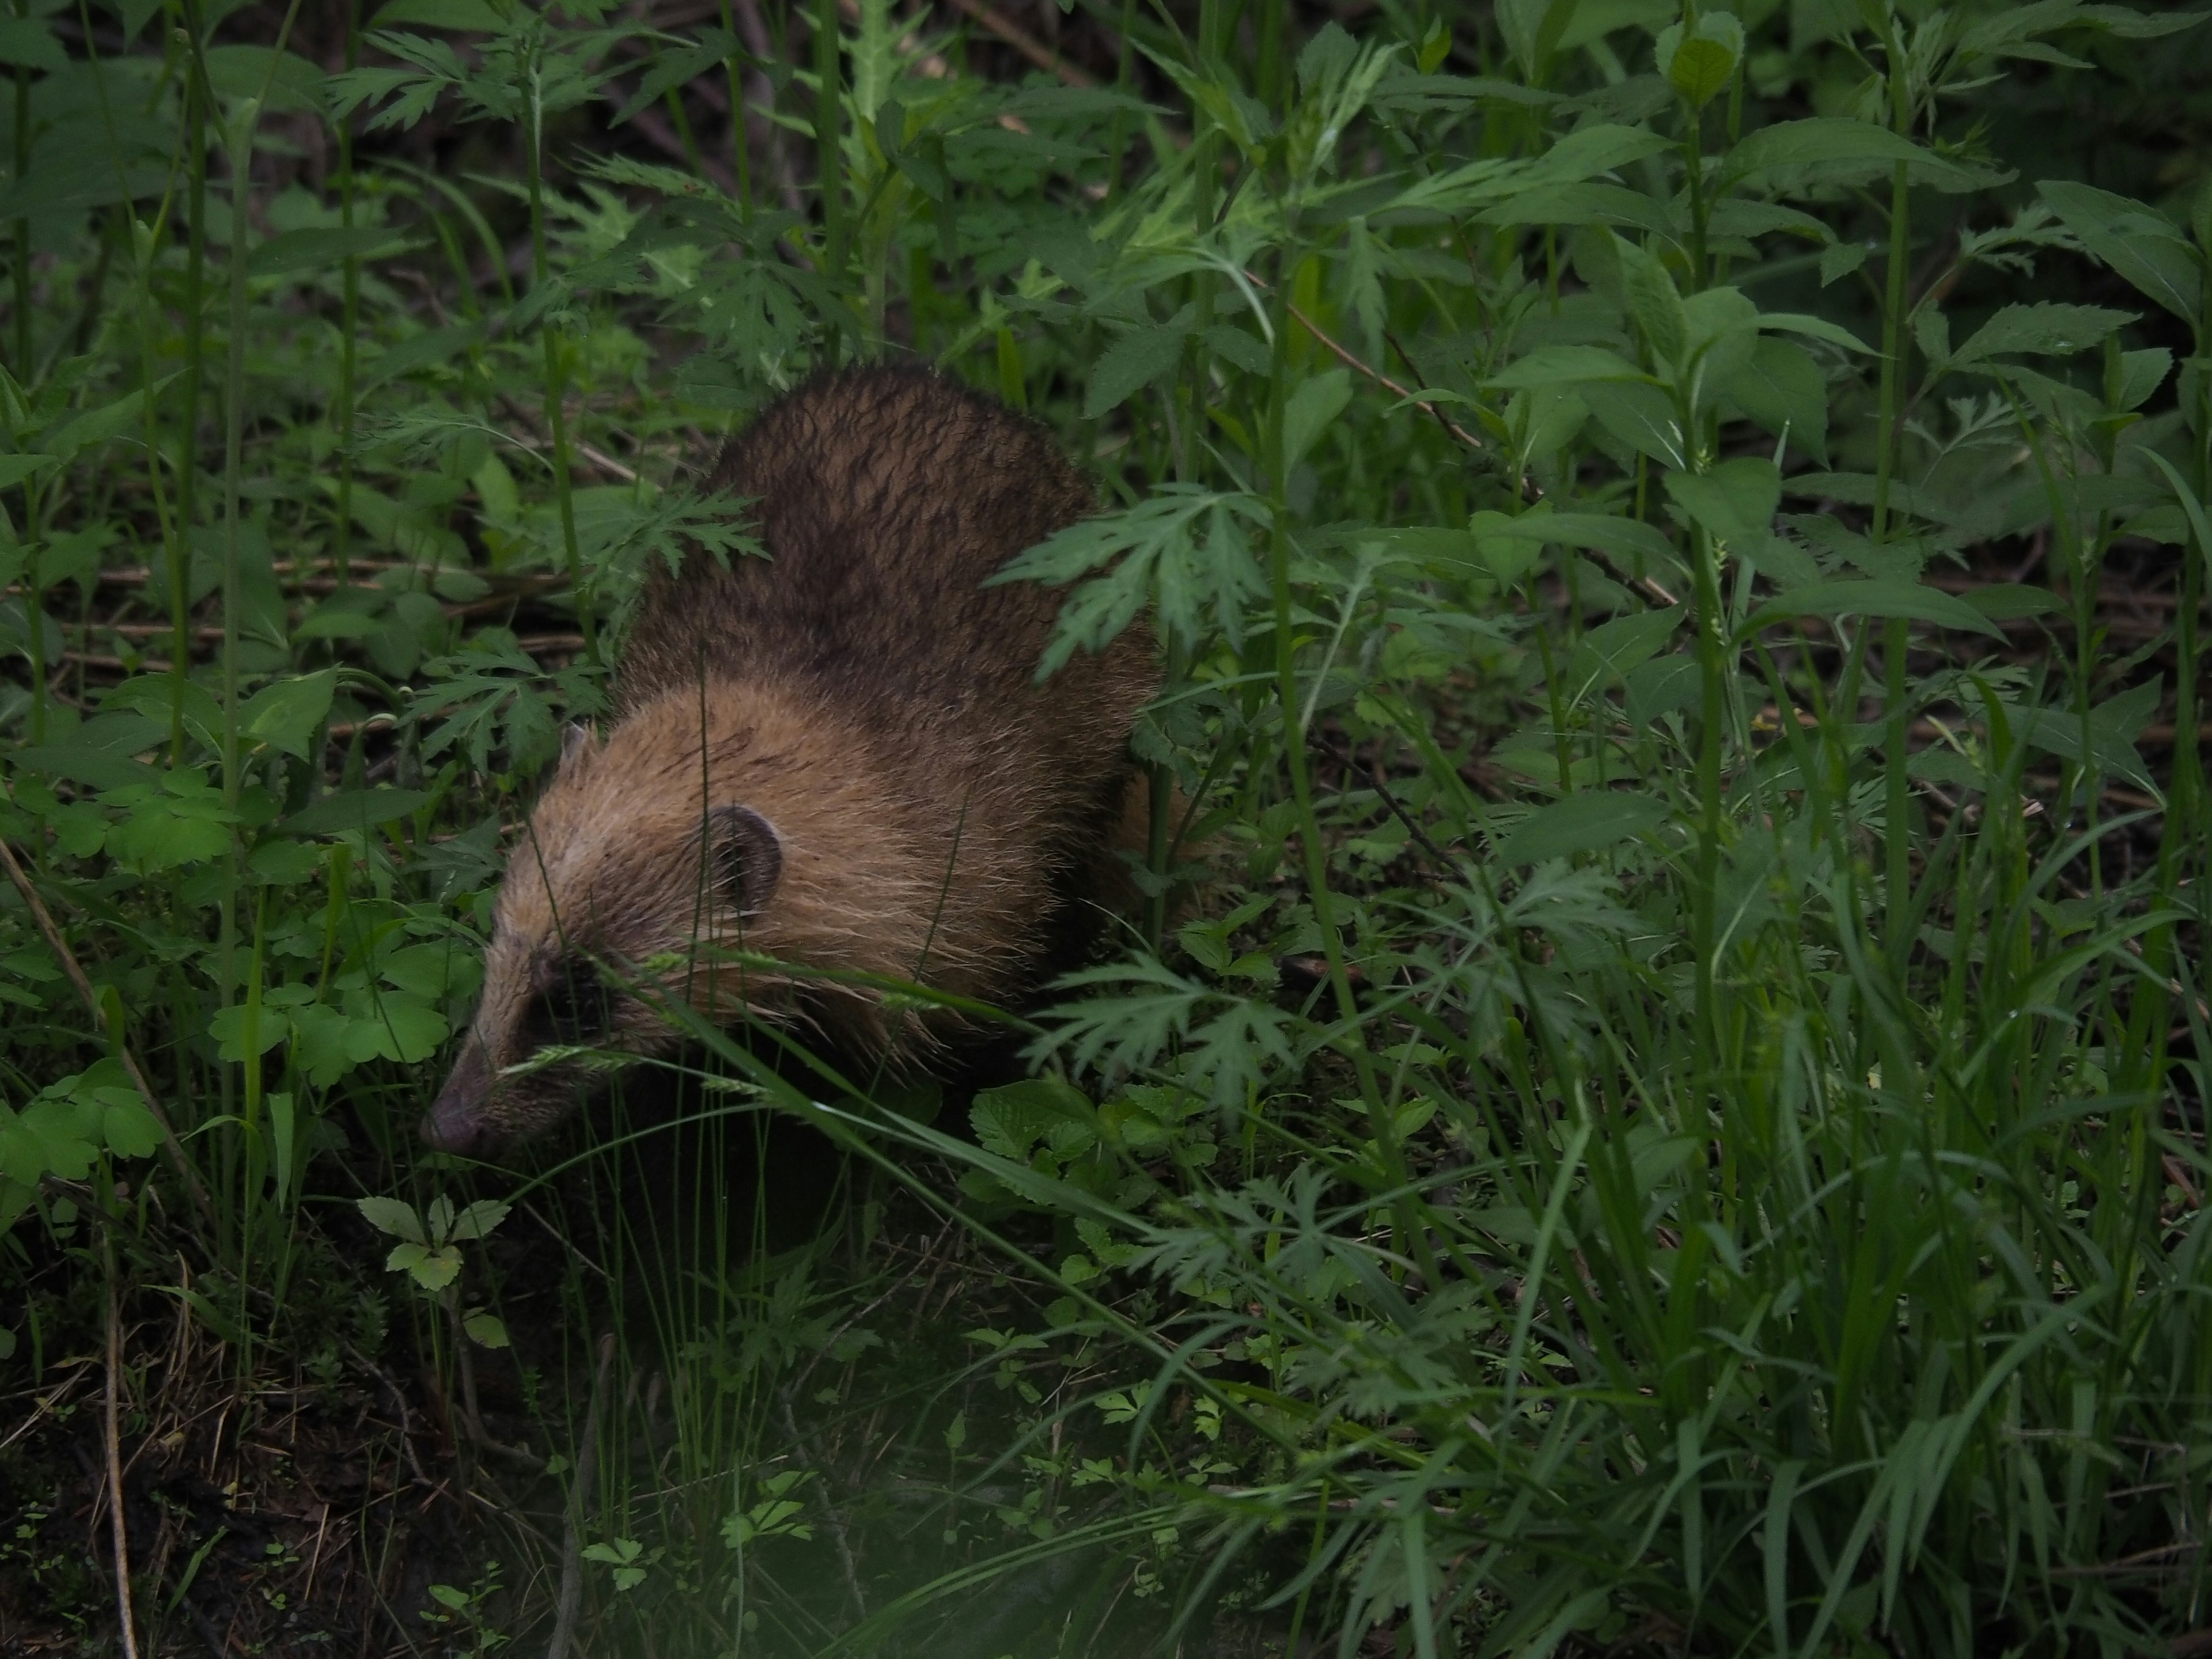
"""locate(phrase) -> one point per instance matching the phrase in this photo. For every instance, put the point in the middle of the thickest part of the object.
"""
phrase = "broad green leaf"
(322, 249)
(281, 80)
(2141, 374)
(477, 15)
(2113, 727)
(1583, 204)
(356, 809)
(1697, 63)
(1735, 501)
(82, 762)
(1611, 648)
(1814, 328)
(2139, 243)
(394, 1026)
(2045, 327)
(2002, 601)
(1532, 29)
(433, 1269)
(62, 181)
(1781, 387)
(1581, 823)
(96, 426)
(1567, 365)
(1588, 151)
(1640, 415)
(284, 715)
(479, 1220)
(1908, 600)
(1833, 149)
(1631, 540)
(227, 1027)
(1661, 687)
(391, 1215)
(1309, 411)
(1135, 360)
(1656, 304)
(30, 42)
(486, 1330)
(13, 469)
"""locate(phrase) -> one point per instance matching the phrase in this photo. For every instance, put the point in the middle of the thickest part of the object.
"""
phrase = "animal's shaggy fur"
(838, 756)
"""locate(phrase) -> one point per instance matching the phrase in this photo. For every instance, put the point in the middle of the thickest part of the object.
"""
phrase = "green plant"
(1675, 1116)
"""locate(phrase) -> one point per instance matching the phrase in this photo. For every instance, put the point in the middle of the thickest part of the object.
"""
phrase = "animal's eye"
(573, 1009)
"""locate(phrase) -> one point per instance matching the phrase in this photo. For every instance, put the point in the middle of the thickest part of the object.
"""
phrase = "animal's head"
(620, 865)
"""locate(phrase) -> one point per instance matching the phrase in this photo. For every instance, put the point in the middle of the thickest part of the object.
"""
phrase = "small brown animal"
(838, 756)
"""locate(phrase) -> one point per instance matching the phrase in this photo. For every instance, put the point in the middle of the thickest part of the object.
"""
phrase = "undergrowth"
(1654, 1096)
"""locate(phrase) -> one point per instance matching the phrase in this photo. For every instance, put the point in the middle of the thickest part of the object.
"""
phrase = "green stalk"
(1411, 1234)
(241, 145)
(24, 367)
(1896, 633)
(34, 608)
(1712, 684)
(740, 142)
(348, 322)
(142, 263)
(555, 373)
(829, 167)
(1159, 841)
(198, 107)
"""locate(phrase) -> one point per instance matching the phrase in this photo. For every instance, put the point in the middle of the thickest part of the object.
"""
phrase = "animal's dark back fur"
(885, 498)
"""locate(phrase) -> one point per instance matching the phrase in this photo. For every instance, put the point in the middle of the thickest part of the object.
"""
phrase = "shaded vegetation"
(1653, 1096)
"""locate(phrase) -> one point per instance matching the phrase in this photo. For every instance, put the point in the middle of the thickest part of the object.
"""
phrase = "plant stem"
(1388, 1152)
(349, 322)
(1896, 633)
(830, 168)
(555, 369)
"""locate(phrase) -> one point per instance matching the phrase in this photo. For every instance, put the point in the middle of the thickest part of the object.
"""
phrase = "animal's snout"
(456, 1121)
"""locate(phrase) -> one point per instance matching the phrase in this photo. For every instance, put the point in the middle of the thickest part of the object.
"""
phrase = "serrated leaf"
(1642, 417)
(1637, 543)
(1736, 501)
(323, 249)
(284, 715)
(2046, 328)
(1781, 387)
(1611, 648)
(486, 1330)
(1135, 360)
(1697, 63)
(357, 810)
(433, 1269)
(1308, 412)
(1907, 600)
(1792, 155)
(479, 1220)
(1581, 823)
(391, 1215)
(2134, 241)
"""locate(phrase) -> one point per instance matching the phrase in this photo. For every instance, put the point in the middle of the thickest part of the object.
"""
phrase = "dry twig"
(1025, 43)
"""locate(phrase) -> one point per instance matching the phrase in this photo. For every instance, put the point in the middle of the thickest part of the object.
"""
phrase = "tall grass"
(1672, 1115)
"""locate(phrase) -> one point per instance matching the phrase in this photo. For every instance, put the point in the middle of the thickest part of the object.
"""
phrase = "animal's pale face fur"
(730, 816)
(609, 875)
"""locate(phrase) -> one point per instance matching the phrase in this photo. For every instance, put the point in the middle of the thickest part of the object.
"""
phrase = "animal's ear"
(748, 855)
(576, 742)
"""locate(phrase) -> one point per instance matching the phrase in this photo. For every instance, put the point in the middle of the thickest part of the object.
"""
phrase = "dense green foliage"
(1657, 1098)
